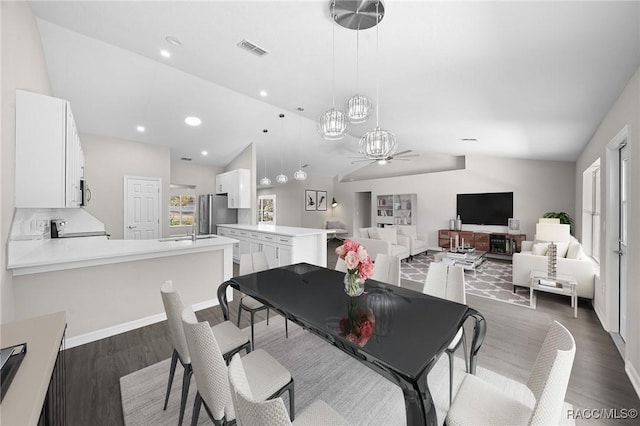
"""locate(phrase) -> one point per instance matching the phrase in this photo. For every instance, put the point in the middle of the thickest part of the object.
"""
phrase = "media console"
(496, 244)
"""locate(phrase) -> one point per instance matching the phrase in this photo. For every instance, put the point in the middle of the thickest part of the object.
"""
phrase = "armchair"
(417, 244)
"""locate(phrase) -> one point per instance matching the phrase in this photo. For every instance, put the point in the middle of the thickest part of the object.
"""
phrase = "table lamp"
(552, 232)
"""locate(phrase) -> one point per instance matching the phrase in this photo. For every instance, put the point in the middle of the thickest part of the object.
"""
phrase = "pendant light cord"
(333, 50)
(377, 67)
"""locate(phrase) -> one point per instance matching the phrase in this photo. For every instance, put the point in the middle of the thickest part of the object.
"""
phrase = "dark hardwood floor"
(514, 336)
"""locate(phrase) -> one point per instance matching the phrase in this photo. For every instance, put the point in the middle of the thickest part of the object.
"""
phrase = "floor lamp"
(554, 233)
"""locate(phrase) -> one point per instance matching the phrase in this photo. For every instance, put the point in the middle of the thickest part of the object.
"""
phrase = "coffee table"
(469, 261)
(560, 284)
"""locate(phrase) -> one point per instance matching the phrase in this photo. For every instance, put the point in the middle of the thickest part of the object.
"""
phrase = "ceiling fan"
(402, 155)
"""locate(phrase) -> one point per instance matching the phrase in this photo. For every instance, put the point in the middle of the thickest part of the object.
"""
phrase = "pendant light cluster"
(377, 144)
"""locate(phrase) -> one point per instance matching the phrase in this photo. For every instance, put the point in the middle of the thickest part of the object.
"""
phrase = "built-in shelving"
(396, 209)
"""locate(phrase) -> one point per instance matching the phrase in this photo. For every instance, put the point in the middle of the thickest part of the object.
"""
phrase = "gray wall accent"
(23, 67)
(624, 112)
(290, 202)
(537, 186)
(108, 160)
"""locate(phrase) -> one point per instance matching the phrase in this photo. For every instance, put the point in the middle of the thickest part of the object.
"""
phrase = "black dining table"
(397, 332)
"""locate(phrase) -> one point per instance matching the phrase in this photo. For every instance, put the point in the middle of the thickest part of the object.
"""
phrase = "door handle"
(619, 252)
(277, 252)
(132, 227)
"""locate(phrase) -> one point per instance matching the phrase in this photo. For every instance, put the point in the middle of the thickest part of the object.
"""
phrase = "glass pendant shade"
(265, 181)
(300, 175)
(378, 144)
(359, 109)
(282, 178)
(333, 125)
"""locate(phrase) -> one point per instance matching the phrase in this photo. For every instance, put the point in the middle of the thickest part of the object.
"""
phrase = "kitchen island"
(107, 287)
(283, 245)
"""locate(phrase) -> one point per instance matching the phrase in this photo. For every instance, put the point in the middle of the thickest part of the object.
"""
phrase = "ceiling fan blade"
(402, 152)
(406, 156)
(360, 161)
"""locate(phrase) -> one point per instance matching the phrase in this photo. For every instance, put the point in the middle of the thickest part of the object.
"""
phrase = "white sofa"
(417, 243)
(571, 260)
(383, 240)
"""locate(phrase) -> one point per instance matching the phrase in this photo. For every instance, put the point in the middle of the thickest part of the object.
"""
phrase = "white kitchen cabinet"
(49, 157)
(237, 185)
(280, 249)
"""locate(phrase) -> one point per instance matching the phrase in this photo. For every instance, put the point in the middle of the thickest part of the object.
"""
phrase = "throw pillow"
(562, 249)
(364, 232)
(373, 233)
(573, 250)
(409, 231)
(540, 249)
(388, 234)
(582, 255)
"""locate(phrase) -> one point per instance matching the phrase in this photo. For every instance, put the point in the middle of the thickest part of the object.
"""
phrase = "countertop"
(29, 257)
(289, 231)
(24, 399)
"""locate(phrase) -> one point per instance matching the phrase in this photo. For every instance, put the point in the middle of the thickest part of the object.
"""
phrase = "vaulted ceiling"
(526, 80)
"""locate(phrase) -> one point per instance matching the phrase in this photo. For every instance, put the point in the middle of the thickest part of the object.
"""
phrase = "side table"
(560, 284)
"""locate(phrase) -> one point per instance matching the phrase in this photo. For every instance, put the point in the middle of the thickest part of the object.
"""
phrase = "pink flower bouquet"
(359, 266)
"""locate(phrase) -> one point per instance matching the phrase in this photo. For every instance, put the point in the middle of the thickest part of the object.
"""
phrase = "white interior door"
(622, 250)
(141, 208)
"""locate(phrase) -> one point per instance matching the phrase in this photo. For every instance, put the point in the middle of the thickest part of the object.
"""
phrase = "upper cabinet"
(237, 185)
(49, 158)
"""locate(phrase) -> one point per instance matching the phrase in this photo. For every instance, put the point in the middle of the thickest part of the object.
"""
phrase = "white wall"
(203, 177)
(290, 202)
(108, 160)
(23, 67)
(537, 186)
(624, 112)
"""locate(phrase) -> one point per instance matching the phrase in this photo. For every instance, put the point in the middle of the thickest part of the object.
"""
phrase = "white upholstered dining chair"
(387, 269)
(250, 263)
(229, 337)
(447, 282)
(270, 378)
(479, 402)
(254, 412)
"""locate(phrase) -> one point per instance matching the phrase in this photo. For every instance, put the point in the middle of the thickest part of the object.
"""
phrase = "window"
(267, 209)
(181, 210)
(591, 204)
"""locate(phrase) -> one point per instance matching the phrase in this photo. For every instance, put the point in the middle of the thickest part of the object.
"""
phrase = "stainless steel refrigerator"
(213, 210)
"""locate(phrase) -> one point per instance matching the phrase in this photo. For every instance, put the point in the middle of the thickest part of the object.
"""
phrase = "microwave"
(85, 193)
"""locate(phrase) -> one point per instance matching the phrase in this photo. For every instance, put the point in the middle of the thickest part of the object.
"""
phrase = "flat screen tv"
(491, 208)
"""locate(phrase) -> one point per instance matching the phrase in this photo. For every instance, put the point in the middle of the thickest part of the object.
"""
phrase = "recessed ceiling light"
(193, 121)
(263, 93)
(205, 153)
(165, 53)
(173, 40)
(141, 129)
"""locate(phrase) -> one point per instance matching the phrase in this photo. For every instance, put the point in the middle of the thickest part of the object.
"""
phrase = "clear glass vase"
(353, 284)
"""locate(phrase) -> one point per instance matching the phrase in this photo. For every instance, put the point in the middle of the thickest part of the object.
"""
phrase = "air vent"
(252, 48)
(185, 158)
(469, 140)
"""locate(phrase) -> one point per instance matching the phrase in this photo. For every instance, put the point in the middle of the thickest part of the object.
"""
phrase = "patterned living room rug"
(492, 280)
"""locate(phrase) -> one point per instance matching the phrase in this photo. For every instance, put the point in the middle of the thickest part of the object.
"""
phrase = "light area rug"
(493, 280)
(320, 371)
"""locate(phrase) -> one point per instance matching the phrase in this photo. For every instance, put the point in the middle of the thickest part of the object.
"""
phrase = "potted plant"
(564, 218)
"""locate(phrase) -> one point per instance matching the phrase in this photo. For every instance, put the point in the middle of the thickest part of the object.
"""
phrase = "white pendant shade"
(265, 181)
(359, 109)
(378, 144)
(282, 178)
(333, 125)
(300, 175)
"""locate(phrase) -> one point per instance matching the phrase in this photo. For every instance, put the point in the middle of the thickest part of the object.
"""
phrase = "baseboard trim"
(633, 376)
(82, 339)
(601, 316)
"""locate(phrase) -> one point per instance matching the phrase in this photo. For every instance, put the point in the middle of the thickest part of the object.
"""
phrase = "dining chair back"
(387, 269)
(209, 369)
(341, 265)
(550, 374)
(435, 283)
(253, 262)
